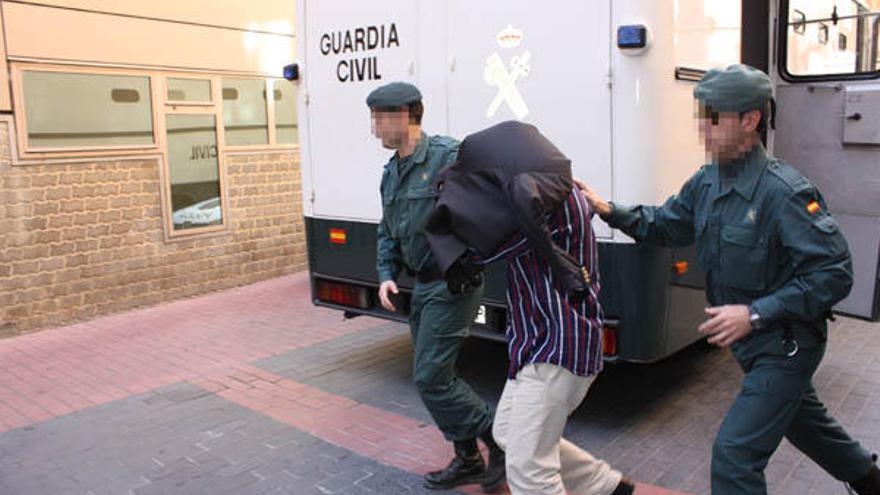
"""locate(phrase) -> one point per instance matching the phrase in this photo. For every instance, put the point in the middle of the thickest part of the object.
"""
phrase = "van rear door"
(513, 59)
(828, 124)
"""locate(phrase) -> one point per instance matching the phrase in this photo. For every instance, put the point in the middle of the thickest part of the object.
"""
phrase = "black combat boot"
(625, 487)
(494, 478)
(466, 467)
(869, 484)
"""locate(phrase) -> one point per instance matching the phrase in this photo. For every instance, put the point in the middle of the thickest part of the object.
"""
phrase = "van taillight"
(609, 341)
(680, 268)
(342, 294)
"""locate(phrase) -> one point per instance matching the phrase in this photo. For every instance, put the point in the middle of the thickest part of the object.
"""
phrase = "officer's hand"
(726, 324)
(387, 286)
(598, 204)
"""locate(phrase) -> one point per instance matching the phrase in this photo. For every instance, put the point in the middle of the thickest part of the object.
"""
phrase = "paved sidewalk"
(256, 391)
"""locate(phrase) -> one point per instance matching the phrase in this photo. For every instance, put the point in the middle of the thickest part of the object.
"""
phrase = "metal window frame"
(186, 103)
(26, 151)
(274, 124)
(171, 234)
(782, 56)
(270, 114)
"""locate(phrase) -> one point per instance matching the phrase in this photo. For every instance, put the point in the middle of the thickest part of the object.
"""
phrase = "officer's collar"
(749, 171)
(419, 154)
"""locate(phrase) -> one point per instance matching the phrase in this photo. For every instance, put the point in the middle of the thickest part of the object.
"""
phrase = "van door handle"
(856, 116)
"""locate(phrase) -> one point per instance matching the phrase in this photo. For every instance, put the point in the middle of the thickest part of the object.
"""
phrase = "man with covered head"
(439, 321)
(775, 263)
(510, 196)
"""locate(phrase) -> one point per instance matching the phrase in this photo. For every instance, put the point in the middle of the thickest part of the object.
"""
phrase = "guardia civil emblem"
(752, 215)
(505, 76)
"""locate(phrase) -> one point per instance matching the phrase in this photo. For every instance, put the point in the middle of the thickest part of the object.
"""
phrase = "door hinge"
(312, 197)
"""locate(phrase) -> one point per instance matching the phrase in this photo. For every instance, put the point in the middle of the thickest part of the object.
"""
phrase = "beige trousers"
(529, 421)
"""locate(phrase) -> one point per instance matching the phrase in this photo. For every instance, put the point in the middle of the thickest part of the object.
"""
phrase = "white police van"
(610, 82)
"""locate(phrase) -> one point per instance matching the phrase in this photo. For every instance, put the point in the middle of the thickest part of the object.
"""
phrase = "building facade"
(148, 152)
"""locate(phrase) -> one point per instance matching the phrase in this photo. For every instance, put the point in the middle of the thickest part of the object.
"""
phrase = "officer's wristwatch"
(755, 320)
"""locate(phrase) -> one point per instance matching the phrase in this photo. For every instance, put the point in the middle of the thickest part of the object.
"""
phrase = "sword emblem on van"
(497, 74)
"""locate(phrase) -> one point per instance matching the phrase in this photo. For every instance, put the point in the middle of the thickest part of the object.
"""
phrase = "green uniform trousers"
(778, 400)
(440, 322)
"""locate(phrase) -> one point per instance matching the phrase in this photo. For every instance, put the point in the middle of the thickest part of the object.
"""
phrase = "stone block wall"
(80, 240)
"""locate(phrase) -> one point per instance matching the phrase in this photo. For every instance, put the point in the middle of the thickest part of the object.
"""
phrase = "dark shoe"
(870, 483)
(625, 487)
(466, 467)
(495, 474)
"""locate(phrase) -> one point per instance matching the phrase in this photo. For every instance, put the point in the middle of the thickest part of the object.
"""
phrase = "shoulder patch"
(789, 176)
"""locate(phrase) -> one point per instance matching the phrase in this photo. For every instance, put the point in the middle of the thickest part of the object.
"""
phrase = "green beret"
(396, 94)
(738, 88)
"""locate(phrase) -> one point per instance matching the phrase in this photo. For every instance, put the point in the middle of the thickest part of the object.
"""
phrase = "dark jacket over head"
(506, 180)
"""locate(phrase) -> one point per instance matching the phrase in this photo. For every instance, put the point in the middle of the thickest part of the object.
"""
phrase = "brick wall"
(81, 240)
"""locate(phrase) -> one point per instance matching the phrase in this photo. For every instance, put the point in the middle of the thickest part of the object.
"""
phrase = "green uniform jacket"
(408, 196)
(764, 237)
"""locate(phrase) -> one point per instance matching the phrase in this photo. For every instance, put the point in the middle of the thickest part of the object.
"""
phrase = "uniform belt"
(427, 276)
(788, 328)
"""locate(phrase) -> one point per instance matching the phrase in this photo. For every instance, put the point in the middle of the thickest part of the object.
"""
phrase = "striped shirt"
(543, 326)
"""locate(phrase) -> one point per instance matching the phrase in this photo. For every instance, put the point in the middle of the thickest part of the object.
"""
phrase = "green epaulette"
(788, 175)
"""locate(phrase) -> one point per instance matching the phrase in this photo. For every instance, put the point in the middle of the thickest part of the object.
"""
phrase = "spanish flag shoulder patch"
(813, 207)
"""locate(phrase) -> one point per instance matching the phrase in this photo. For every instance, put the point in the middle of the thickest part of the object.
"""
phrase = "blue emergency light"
(632, 36)
(291, 72)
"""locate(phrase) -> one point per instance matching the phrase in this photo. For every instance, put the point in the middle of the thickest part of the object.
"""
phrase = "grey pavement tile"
(177, 395)
(657, 420)
(339, 482)
(190, 443)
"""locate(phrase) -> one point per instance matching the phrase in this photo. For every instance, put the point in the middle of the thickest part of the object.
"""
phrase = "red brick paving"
(209, 341)
(56, 372)
(388, 438)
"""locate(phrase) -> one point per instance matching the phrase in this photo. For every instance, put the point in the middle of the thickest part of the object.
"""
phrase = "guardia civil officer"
(776, 262)
(439, 321)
